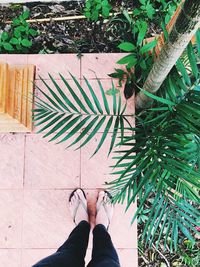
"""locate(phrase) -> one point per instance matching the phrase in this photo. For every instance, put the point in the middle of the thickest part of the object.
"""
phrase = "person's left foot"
(78, 206)
(104, 209)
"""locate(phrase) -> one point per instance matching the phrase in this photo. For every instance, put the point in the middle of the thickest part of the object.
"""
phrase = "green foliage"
(157, 161)
(140, 57)
(160, 163)
(150, 10)
(185, 256)
(85, 114)
(146, 9)
(95, 8)
(141, 53)
(18, 38)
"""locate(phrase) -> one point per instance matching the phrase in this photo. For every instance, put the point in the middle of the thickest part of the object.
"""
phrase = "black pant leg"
(103, 254)
(72, 252)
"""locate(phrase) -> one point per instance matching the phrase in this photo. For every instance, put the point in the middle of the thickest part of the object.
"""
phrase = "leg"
(72, 252)
(104, 253)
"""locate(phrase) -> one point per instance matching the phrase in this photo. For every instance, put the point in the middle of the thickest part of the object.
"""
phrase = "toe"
(106, 197)
(76, 197)
(80, 195)
(101, 196)
(73, 199)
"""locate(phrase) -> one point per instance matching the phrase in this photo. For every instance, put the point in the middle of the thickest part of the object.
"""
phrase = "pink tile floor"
(36, 177)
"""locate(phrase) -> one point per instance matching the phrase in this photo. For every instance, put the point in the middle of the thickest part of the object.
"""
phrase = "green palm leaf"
(166, 170)
(62, 118)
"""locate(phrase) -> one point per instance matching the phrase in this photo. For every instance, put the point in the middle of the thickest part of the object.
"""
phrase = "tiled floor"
(36, 177)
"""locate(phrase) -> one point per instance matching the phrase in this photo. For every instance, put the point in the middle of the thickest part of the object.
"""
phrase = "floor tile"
(55, 64)
(3, 58)
(17, 59)
(123, 234)
(32, 256)
(12, 160)
(10, 257)
(11, 205)
(47, 220)
(48, 165)
(95, 170)
(99, 64)
(128, 257)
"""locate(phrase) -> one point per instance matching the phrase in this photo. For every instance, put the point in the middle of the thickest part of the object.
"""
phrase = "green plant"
(167, 143)
(18, 38)
(94, 8)
(64, 115)
(185, 256)
(146, 9)
(140, 56)
(165, 10)
(159, 163)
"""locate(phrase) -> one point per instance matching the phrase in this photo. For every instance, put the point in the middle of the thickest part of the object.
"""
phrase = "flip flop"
(79, 203)
(103, 204)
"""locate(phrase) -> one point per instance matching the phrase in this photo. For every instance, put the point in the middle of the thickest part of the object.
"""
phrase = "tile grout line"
(24, 160)
(80, 179)
(22, 226)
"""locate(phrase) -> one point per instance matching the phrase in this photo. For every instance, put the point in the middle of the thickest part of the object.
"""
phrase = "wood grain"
(16, 98)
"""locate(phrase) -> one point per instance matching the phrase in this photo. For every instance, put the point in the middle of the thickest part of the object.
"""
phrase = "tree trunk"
(182, 32)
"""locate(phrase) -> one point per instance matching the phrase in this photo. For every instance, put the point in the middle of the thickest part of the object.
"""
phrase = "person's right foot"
(104, 209)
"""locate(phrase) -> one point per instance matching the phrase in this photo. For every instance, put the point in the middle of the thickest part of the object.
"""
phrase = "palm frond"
(163, 166)
(62, 117)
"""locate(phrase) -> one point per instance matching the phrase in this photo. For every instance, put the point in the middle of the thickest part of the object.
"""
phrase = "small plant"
(18, 38)
(94, 8)
(139, 58)
(141, 55)
(146, 9)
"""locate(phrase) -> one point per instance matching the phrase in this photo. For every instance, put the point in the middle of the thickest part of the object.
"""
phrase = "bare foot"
(104, 209)
(78, 207)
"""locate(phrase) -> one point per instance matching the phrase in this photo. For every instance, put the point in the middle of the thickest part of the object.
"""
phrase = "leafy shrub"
(94, 8)
(18, 38)
(138, 22)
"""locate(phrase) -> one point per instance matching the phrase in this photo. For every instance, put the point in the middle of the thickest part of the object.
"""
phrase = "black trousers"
(73, 251)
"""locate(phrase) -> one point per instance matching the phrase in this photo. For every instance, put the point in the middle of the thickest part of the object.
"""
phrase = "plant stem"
(182, 32)
(167, 262)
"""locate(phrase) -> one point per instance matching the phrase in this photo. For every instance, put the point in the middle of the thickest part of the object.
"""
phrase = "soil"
(73, 36)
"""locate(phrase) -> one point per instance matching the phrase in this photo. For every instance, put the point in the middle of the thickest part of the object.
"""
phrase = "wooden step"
(16, 98)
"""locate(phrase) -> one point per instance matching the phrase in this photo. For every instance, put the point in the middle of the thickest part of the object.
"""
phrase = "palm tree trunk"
(182, 32)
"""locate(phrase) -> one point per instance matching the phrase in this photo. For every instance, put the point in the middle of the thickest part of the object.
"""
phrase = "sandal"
(103, 203)
(78, 205)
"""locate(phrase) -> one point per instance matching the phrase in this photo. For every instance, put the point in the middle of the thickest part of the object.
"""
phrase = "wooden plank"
(30, 91)
(3, 86)
(16, 98)
(8, 124)
(10, 106)
(24, 96)
(18, 93)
